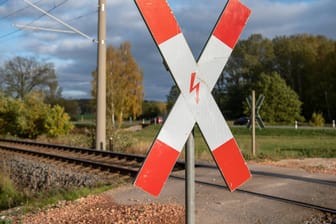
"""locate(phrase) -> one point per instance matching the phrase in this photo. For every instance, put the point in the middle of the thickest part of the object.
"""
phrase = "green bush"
(31, 117)
(57, 122)
(317, 120)
(9, 196)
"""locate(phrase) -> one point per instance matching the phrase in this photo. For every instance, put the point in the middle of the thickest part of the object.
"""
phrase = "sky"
(75, 57)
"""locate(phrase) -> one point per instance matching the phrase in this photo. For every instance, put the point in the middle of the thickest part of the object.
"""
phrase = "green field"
(271, 143)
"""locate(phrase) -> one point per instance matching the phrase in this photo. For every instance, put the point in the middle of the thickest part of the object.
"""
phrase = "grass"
(11, 197)
(271, 143)
(44, 199)
(282, 143)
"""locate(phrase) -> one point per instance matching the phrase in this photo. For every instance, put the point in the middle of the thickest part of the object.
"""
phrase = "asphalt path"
(215, 204)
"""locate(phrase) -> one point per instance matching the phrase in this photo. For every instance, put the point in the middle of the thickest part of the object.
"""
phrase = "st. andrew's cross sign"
(195, 103)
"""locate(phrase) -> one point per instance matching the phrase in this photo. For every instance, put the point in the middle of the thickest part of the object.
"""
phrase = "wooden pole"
(253, 123)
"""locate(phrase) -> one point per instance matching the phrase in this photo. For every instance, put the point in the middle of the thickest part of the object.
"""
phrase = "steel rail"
(124, 170)
(278, 175)
(179, 164)
(129, 157)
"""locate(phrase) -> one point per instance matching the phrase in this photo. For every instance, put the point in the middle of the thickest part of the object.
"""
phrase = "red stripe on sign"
(157, 167)
(159, 18)
(232, 22)
(231, 164)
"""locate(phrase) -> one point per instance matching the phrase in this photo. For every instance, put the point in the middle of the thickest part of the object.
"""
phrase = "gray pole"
(101, 79)
(190, 180)
(253, 119)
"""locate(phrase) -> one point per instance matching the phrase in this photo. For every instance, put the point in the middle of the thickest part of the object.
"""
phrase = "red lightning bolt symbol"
(194, 87)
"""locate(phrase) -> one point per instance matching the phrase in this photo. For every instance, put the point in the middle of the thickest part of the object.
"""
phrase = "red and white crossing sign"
(195, 103)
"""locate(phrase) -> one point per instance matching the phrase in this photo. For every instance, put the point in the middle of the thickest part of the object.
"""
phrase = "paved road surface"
(218, 205)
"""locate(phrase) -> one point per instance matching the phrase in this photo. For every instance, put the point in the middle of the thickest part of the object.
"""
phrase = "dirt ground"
(103, 208)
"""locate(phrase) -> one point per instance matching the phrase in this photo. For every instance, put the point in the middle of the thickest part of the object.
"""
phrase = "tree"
(33, 115)
(249, 59)
(124, 85)
(152, 109)
(305, 62)
(281, 104)
(172, 97)
(21, 76)
(10, 110)
(70, 106)
(132, 75)
(57, 122)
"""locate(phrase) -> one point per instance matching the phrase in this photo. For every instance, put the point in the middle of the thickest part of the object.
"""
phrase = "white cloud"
(75, 94)
(287, 18)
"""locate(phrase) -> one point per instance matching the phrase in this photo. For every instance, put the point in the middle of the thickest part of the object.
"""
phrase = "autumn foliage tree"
(123, 83)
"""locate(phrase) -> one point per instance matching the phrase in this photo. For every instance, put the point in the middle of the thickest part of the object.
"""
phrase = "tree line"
(297, 75)
(307, 63)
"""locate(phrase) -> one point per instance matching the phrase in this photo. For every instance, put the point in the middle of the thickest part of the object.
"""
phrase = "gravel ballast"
(35, 175)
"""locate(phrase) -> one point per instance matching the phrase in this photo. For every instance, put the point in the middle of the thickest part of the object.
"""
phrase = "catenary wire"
(17, 11)
(19, 30)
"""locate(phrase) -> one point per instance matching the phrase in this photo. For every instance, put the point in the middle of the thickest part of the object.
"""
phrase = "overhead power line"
(84, 15)
(42, 28)
(55, 29)
(28, 24)
(16, 11)
(61, 22)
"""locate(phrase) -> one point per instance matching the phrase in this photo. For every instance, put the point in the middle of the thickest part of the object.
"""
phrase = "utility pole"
(101, 79)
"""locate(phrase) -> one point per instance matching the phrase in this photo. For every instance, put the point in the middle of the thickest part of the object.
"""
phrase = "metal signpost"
(190, 179)
(195, 103)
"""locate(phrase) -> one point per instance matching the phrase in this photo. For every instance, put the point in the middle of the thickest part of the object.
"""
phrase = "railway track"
(125, 164)
(128, 164)
(277, 175)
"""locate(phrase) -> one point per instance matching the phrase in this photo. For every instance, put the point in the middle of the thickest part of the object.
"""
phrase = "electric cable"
(30, 23)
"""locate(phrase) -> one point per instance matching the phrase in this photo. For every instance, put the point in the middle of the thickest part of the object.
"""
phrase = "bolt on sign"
(195, 80)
